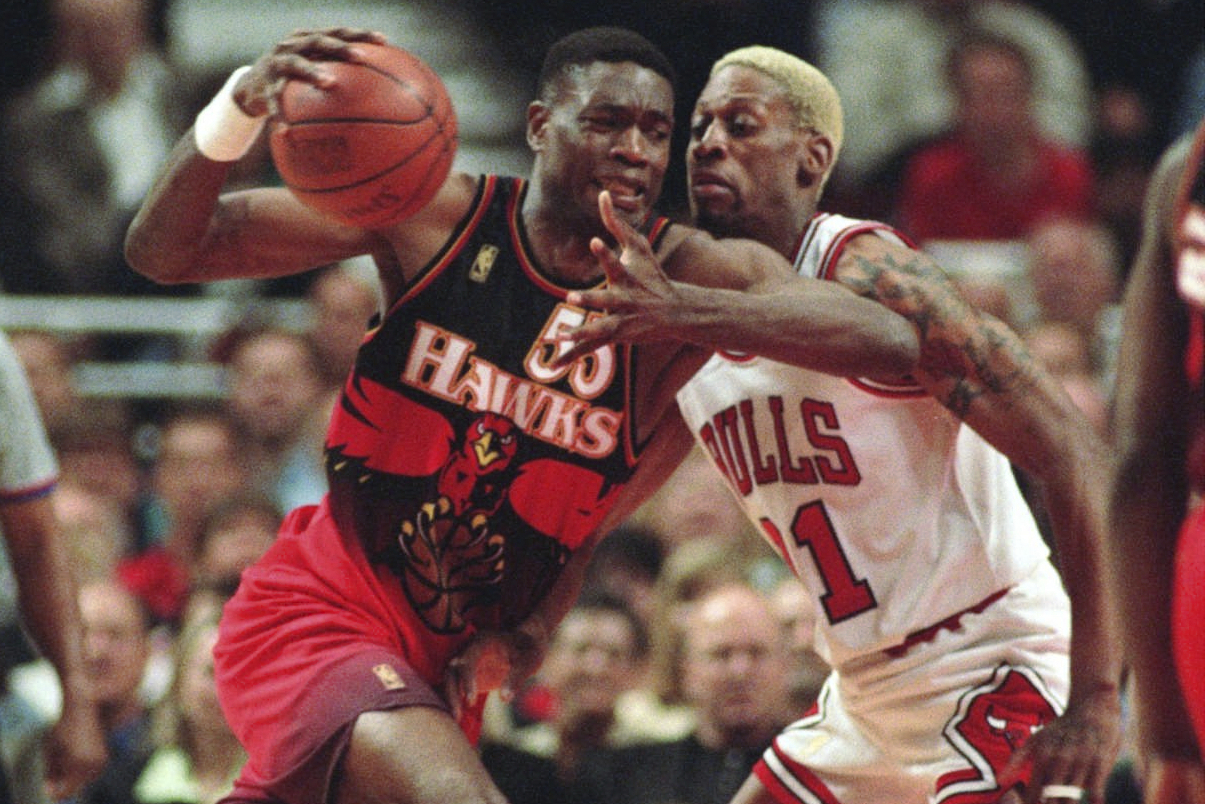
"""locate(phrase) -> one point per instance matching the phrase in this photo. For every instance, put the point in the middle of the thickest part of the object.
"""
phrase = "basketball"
(374, 147)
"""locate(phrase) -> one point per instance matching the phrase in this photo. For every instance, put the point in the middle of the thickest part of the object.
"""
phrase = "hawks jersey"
(467, 466)
(893, 513)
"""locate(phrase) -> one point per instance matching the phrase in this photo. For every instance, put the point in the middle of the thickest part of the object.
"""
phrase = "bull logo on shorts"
(994, 721)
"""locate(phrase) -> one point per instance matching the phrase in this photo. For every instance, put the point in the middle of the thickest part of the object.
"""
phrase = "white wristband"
(224, 132)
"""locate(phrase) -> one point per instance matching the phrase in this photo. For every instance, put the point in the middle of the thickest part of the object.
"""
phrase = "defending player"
(957, 674)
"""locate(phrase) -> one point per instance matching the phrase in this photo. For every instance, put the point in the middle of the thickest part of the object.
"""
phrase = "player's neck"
(558, 245)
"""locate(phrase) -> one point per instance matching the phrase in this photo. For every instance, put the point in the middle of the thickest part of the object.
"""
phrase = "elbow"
(152, 259)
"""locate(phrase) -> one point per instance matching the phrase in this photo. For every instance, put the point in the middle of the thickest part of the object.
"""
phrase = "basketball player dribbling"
(964, 669)
(1158, 520)
(469, 473)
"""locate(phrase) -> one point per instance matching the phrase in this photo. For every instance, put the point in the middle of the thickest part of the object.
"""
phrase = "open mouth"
(625, 195)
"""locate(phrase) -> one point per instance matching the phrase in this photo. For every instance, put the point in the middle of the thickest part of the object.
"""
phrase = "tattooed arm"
(979, 369)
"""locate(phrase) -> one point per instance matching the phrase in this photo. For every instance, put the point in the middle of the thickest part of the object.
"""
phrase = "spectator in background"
(117, 640)
(196, 757)
(794, 611)
(736, 675)
(96, 528)
(996, 174)
(1064, 351)
(235, 534)
(198, 463)
(1124, 148)
(691, 569)
(894, 93)
(343, 298)
(82, 145)
(237, 531)
(597, 653)
(278, 399)
(1073, 273)
(626, 564)
(96, 453)
(49, 363)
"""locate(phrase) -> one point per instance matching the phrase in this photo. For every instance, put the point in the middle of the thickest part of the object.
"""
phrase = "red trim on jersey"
(901, 391)
(454, 246)
(27, 493)
(827, 270)
(804, 777)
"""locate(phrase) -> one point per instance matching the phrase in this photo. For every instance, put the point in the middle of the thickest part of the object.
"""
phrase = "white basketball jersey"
(893, 513)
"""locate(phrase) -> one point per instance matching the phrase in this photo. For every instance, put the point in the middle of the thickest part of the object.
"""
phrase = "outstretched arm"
(1155, 410)
(741, 296)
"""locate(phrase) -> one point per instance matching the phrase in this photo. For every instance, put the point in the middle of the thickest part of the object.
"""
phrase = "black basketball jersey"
(461, 459)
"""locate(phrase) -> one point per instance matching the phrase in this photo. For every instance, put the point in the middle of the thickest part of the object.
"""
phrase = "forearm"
(1145, 520)
(1078, 517)
(810, 323)
(45, 587)
(166, 239)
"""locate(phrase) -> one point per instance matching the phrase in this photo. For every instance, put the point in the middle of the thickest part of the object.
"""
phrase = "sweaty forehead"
(737, 84)
(619, 83)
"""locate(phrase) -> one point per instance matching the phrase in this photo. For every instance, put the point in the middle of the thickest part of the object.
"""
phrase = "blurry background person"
(736, 675)
(82, 144)
(196, 756)
(343, 298)
(117, 649)
(597, 654)
(279, 402)
(995, 174)
(197, 462)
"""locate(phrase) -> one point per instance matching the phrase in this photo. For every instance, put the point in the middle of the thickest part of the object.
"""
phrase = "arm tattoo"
(970, 352)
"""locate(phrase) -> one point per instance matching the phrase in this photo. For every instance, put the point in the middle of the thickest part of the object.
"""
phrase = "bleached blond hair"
(813, 97)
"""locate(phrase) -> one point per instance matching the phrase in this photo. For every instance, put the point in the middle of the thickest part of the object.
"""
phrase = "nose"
(632, 146)
(710, 142)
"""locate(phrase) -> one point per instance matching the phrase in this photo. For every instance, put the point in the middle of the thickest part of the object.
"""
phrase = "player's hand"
(1173, 781)
(74, 751)
(1077, 750)
(639, 300)
(491, 661)
(299, 57)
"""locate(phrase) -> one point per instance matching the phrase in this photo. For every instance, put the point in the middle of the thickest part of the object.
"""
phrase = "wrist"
(223, 132)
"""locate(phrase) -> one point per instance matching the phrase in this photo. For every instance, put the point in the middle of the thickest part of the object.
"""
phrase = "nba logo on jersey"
(388, 677)
(483, 264)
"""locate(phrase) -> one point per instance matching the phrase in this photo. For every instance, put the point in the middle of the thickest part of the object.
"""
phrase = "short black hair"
(602, 43)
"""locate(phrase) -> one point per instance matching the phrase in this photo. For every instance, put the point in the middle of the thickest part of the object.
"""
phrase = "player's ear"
(538, 114)
(816, 156)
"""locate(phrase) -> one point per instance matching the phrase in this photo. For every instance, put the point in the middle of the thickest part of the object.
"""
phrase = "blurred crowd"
(1013, 140)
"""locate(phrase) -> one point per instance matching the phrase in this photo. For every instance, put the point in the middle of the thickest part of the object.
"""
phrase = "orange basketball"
(374, 147)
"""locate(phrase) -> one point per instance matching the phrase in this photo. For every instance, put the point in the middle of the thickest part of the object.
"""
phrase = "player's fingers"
(585, 339)
(598, 299)
(615, 225)
(613, 268)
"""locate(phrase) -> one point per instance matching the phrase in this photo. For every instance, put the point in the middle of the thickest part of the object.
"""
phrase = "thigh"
(416, 755)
